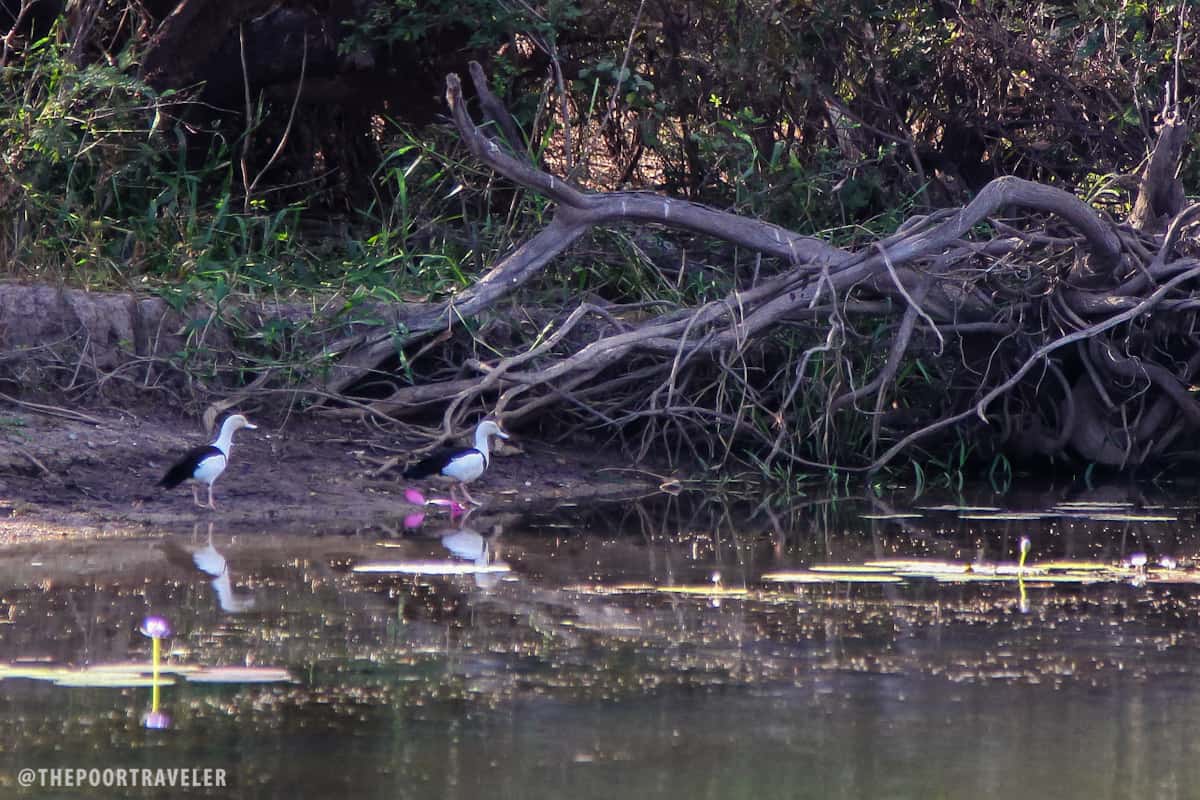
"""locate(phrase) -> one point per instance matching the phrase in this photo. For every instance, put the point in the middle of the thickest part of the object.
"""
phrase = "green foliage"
(840, 118)
(421, 23)
(836, 113)
(107, 189)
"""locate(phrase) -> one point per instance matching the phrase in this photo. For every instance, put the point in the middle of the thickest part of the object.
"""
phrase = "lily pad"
(1078, 566)
(848, 568)
(112, 680)
(1009, 515)
(951, 507)
(918, 565)
(430, 568)
(831, 577)
(705, 590)
(240, 675)
(1116, 517)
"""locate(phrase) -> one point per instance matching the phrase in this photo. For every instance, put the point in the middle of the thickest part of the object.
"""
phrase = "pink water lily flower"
(415, 497)
(155, 627)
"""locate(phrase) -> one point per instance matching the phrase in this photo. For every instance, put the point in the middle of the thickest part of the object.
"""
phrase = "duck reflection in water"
(480, 549)
(209, 561)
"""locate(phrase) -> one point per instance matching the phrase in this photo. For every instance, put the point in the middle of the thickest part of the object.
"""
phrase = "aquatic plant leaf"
(848, 568)
(918, 565)
(952, 507)
(430, 567)
(706, 590)
(112, 680)
(1029, 578)
(831, 577)
(1112, 517)
(1009, 515)
(31, 672)
(240, 675)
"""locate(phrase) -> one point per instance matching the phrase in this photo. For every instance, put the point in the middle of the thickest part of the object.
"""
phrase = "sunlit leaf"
(918, 565)
(706, 590)
(949, 507)
(430, 567)
(831, 577)
(240, 675)
(1009, 515)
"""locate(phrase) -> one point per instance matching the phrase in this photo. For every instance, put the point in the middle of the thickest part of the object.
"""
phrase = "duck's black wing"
(436, 462)
(186, 466)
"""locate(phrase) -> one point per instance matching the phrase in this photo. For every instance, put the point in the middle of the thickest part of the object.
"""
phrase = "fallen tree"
(1058, 332)
(1055, 332)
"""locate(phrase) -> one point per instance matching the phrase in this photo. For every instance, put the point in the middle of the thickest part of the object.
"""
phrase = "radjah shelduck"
(205, 464)
(461, 465)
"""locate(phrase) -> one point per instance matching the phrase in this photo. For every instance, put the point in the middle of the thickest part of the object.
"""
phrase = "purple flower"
(156, 720)
(1136, 560)
(155, 627)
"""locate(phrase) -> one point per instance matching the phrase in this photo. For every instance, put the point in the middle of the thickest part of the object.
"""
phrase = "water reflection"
(480, 550)
(599, 663)
(209, 561)
(156, 628)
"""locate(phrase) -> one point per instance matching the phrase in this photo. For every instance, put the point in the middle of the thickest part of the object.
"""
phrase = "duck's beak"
(501, 434)
(251, 425)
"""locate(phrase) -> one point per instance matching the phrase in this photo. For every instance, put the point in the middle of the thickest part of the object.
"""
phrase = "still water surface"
(564, 669)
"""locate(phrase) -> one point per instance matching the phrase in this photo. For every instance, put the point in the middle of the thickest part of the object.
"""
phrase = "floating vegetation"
(951, 507)
(903, 570)
(702, 589)
(1100, 512)
(868, 567)
(1030, 577)
(240, 675)
(710, 590)
(1062, 571)
(112, 680)
(126, 675)
(813, 576)
(429, 567)
(1009, 515)
(1117, 517)
(1076, 566)
(917, 565)
(135, 666)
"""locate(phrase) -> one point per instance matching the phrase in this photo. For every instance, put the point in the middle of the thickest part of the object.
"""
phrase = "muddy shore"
(58, 474)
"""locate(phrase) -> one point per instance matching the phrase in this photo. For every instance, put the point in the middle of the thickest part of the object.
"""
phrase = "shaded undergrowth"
(112, 184)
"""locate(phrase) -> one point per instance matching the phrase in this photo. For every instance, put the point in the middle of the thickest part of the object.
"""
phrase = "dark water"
(560, 678)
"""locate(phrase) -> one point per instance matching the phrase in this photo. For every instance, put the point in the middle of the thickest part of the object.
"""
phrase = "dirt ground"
(58, 473)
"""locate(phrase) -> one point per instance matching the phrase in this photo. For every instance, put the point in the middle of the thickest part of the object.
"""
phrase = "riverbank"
(58, 473)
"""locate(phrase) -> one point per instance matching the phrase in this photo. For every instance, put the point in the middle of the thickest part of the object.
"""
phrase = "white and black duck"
(205, 464)
(461, 465)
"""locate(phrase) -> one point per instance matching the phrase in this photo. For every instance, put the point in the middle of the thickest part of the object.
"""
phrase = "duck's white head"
(225, 439)
(489, 428)
(236, 422)
(483, 436)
